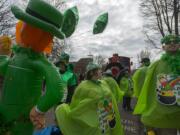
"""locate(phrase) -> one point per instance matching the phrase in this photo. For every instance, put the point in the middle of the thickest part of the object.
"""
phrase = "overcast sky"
(123, 35)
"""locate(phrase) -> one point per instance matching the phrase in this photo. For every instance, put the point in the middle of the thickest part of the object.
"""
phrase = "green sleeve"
(115, 89)
(138, 79)
(4, 61)
(82, 99)
(142, 100)
(136, 82)
(54, 88)
(118, 93)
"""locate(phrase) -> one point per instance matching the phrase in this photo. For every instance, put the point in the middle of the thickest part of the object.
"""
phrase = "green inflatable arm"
(54, 86)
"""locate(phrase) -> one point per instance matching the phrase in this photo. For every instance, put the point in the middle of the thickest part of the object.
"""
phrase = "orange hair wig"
(32, 37)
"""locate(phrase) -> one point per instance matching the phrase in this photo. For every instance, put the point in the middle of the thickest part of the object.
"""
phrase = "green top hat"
(92, 66)
(44, 16)
(171, 39)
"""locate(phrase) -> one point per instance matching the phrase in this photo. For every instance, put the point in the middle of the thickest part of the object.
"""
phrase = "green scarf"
(173, 61)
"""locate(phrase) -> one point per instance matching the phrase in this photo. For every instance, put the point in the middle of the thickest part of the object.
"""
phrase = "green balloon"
(71, 18)
(101, 23)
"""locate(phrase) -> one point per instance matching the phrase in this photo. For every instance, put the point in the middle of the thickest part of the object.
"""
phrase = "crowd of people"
(32, 84)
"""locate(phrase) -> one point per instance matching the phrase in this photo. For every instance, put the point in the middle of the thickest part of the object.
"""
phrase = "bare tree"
(161, 18)
(99, 59)
(7, 20)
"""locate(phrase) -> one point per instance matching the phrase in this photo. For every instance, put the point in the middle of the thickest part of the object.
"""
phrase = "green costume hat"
(63, 58)
(44, 16)
(92, 66)
(171, 39)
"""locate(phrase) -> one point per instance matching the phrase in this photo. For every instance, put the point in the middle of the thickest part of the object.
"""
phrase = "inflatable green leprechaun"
(159, 101)
(22, 105)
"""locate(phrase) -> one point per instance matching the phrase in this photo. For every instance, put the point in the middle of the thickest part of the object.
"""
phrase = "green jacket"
(69, 79)
(158, 103)
(138, 80)
(93, 111)
(22, 86)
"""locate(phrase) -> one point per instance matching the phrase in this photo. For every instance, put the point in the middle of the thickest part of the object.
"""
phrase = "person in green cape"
(139, 76)
(93, 110)
(68, 77)
(126, 85)
(159, 101)
(22, 105)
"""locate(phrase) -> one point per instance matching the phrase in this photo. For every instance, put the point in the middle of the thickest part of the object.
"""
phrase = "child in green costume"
(93, 110)
(159, 101)
(22, 104)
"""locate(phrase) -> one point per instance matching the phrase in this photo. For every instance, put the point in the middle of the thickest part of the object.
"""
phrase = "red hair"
(32, 37)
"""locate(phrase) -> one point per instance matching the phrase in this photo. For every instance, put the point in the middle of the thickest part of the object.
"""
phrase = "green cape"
(113, 86)
(154, 113)
(82, 116)
(138, 80)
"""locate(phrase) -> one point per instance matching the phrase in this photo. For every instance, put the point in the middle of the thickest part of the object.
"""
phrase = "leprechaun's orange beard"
(32, 37)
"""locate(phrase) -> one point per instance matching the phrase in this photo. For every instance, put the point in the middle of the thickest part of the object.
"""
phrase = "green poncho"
(126, 85)
(159, 101)
(93, 111)
(138, 80)
(117, 92)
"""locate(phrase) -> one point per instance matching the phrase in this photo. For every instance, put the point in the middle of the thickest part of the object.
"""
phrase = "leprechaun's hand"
(38, 119)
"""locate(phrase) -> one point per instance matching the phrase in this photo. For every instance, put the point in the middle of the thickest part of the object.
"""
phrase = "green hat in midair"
(92, 66)
(44, 16)
(171, 39)
(100, 23)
